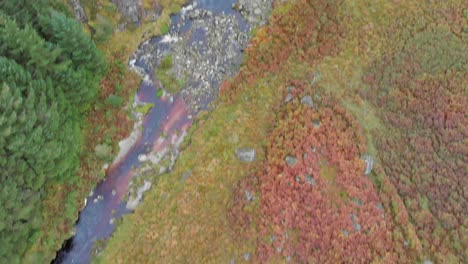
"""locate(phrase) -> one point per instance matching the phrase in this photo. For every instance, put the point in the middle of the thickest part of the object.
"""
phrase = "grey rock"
(307, 100)
(246, 256)
(369, 160)
(345, 233)
(199, 14)
(427, 261)
(315, 78)
(246, 154)
(186, 175)
(291, 161)
(248, 196)
(272, 238)
(255, 11)
(357, 202)
(132, 9)
(356, 225)
(309, 179)
(316, 123)
(78, 11)
(288, 98)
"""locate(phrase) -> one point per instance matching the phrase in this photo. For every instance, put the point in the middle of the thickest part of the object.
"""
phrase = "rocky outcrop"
(132, 9)
(78, 11)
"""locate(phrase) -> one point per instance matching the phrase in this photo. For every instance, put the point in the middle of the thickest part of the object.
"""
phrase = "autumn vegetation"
(323, 84)
(316, 204)
(385, 79)
(421, 90)
(394, 91)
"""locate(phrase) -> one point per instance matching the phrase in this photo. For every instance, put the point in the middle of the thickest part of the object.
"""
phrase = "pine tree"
(49, 73)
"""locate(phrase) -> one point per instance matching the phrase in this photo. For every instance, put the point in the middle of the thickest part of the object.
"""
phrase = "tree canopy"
(49, 75)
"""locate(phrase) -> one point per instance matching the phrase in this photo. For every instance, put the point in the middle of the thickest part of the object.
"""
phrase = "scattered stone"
(314, 149)
(356, 225)
(427, 261)
(345, 233)
(379, 206)
(307, 100)
(95, 200)
(316, 123)
(406, 243)
(369, 160)
(111, 221)
(114, 192)
(257, 11)
(315, 78)
(291, 161)
(288, 98)
(272, 238)
(246, 154)
(357, 202)
(310, 180)
(186, 175)
(248, 196)
(142, 158)
(199, 14)
(298, 179)
(246, 256)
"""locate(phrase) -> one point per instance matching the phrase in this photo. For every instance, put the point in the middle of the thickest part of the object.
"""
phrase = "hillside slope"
(355, 111)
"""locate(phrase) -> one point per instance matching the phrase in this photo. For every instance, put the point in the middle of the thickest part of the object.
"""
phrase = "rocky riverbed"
(205, 45)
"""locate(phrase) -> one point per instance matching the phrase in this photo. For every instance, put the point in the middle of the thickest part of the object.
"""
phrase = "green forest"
(50, 72)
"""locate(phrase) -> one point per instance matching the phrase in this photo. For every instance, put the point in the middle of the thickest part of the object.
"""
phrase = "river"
(165, 125)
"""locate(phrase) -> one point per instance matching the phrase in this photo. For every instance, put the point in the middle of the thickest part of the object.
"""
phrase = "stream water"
(170, 116)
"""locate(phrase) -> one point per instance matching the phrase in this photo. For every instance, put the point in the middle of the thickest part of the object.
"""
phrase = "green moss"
(164, 28)
(144, 108)
(159, 93)
(170, 83)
